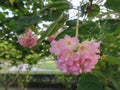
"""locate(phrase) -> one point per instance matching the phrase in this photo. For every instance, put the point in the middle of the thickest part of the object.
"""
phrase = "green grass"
(48, 67)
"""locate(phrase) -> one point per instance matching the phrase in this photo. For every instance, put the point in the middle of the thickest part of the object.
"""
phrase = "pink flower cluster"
(28, 39)
(74, 57)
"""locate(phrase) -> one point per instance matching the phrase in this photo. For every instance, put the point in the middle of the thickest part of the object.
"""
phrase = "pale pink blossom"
(28, 39)
(56, 47)
(72, 63)
(89, 55)
(89, 47)
(74, 57)
(69, 42)
(87, 63)
(63, 45)
(69, 63)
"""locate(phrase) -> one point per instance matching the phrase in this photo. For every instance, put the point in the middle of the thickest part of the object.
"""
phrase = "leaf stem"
(77, 22)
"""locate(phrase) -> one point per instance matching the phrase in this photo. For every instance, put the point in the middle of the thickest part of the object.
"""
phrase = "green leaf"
(57, 5)
(117, 31)
(2, 16)
(113, 60)
(107, 88)
(113, 4)
(89, 82)
(109, 38)
(87, 29)
(98, 73)
(90, 9)
(51, 15)
(95, 9)
(115, 80)
(109, 25)
(115, 83)
(72, 23)
(53, 10)
(23, 22)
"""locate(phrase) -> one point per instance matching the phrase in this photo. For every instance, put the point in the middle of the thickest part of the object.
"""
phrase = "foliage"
(88, 82)
(94, 23)
(9, 53)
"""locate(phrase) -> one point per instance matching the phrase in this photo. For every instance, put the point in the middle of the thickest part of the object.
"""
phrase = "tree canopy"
(94, 19)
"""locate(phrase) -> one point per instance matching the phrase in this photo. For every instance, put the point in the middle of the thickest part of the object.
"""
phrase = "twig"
(77, 23)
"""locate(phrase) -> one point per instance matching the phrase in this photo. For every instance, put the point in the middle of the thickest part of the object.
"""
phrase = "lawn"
(47, 67)
(50, 65)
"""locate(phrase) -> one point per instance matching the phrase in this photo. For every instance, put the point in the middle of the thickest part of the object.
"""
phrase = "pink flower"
(88, 63)
(68, 43)
(74, 62)
(68, 63)
(28, 40)
(89, 47)
(56, 47)
(89, 55)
